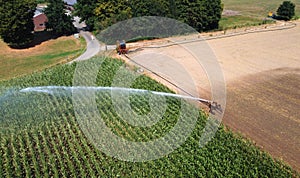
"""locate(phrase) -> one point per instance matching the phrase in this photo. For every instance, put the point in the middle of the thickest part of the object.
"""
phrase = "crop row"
(43, 138)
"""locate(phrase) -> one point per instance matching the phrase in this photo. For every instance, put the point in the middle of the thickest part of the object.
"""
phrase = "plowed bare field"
(262, 73)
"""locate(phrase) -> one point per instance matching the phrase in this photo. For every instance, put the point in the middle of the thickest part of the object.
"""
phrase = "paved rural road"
(262, 74)
(93, 45)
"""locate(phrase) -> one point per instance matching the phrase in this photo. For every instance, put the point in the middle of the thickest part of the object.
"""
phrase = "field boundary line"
(201, 37)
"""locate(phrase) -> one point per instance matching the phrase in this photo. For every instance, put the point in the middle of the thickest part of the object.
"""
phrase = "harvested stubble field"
(262, 72)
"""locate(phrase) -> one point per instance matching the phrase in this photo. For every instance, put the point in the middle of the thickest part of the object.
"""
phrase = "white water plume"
(36, 103)
(56, 90)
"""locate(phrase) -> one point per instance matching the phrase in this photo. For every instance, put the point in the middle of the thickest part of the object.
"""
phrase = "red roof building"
(39, 21)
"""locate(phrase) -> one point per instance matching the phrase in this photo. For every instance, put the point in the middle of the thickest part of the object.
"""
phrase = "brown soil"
(265, 107)
(262, 73)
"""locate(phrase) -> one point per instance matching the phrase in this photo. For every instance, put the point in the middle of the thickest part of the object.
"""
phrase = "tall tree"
(150, 8)
(58, 21)
(191, 12)
(202, 15)
(213, 10)
(109, 12)
(16, 21)
(85, 9)
(173, 9)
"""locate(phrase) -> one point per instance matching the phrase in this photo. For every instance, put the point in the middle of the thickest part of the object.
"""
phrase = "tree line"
(202, 15)
(16, 27)
(16, 21)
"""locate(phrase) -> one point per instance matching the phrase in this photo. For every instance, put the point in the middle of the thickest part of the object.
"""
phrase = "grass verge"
(18, 62)
(250, 12)
(233, 22)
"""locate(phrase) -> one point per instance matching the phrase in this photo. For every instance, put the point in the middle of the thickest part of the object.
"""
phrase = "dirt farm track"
(262, 74)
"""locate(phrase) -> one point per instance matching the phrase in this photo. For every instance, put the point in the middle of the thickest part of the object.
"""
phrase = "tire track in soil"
(265, 108)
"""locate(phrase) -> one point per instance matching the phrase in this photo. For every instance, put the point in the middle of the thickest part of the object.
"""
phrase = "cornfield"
(40, 135)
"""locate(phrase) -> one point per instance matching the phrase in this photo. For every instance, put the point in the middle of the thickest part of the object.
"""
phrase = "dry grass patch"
(17, 62)
(250, 12)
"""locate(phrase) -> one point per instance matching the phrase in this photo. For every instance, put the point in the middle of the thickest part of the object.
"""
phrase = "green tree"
(58, 21)
(85, 9)
(286, 10)
(112, 11)
(191, 12)
(173, 9)
(150, 8)
(213, 12)
(202, 15)
(16, 25)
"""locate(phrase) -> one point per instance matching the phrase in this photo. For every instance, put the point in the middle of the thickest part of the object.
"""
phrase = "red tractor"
(121, 47)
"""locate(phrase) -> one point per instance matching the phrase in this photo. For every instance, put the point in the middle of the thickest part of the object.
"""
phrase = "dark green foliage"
(41, 1)
(102, 13)
(58, 21)
(202, 15)
(192, 13)
(150, 8)
(173, 9)
(58, 147)
(111, 12)
(286, 10)
(213, 14)
(143, 28)
(85, 10)
(16, 25)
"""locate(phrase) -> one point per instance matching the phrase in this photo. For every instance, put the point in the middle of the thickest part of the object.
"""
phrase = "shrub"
(286, 10)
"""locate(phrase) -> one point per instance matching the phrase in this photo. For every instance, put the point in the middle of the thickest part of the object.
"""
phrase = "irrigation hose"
(201, 100)
(290, 26)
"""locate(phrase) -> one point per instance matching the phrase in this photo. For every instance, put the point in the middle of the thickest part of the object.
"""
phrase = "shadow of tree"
(39, 38)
